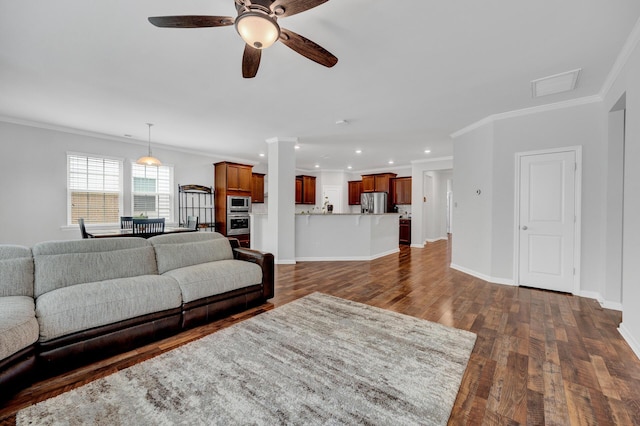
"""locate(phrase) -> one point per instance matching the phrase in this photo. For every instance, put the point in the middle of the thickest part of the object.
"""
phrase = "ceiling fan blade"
(191, 21)
(250, 61)
(291, 7)
(307, 48)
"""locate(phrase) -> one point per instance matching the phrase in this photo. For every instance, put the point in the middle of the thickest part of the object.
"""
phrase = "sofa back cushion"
(61, 264)
(175, 251)
(16, 271)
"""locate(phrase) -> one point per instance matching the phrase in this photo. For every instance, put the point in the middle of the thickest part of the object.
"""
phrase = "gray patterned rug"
(317, 360)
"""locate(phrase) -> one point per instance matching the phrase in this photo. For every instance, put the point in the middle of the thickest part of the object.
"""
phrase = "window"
(151, 191)
(94, 189)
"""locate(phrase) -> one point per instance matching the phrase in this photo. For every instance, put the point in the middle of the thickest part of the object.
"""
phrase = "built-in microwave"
(238, 203)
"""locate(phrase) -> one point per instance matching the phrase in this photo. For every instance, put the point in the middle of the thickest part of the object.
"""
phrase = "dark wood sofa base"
(218, 306)
(17, 372)
(77, 349)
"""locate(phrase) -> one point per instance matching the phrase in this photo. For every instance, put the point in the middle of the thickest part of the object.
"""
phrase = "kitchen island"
(337, 236)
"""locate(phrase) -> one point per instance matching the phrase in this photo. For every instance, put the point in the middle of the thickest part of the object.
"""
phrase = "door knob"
(525, 227)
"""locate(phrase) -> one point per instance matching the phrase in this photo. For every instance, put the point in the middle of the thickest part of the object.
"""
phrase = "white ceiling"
(409, 74)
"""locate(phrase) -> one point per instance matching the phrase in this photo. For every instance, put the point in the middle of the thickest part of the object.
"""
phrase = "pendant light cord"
(150, 124)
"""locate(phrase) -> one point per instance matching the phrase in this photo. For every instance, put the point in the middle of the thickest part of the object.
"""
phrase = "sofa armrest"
(265, 261)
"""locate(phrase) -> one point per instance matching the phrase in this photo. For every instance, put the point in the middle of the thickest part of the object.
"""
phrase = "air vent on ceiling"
(557, 83)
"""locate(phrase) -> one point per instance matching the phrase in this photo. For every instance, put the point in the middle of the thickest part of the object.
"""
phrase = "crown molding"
(432, 160)
(623, 57)
(621, 60)
(528, 111)
(130, 141)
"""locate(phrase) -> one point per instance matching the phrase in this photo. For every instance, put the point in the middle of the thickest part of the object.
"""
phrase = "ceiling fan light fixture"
(149, 160)
(258, 29)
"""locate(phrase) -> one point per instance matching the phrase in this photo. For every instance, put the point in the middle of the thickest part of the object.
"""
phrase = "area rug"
(317, 360)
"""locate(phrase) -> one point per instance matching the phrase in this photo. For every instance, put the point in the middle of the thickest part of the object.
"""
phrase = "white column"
(280, 235)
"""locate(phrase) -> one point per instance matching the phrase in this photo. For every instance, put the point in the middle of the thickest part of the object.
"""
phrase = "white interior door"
(334, 196)
(547, 218)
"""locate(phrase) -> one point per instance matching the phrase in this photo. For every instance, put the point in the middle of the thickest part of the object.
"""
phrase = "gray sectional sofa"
(68, 303)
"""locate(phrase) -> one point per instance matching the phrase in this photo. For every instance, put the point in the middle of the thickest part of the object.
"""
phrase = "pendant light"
(149, 160)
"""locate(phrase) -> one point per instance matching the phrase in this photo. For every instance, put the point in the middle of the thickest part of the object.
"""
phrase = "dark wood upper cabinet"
(355, 189)
(305, 189)
(235, 178)
(401, 190)
(257, 188)
(380, 182)
(299, 190)
(368, 183)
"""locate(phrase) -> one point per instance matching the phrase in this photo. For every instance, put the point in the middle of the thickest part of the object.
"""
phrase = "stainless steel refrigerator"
(373, 202)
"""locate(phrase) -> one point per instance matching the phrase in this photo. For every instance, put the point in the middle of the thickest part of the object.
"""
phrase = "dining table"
(110, 233)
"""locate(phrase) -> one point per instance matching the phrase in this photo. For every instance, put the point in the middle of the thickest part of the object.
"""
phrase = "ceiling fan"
(257, 24)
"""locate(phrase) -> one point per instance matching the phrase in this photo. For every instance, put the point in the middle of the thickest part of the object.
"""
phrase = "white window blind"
(94, 189)
(151, 191)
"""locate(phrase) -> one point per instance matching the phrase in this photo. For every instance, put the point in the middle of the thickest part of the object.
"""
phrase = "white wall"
(580, 125)
(501, 140)
(473, 201)
(627, 83)
(33, 195)
(611, 287)
(419, 230)
(435, 208)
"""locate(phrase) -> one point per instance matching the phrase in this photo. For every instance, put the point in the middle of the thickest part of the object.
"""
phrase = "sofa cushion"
(209, 279)
(175, 251)
(84, 306)
(63, 263)
(16, 271)
(18, 324)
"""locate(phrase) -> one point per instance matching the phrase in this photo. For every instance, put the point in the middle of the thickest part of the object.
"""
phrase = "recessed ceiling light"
(261, 154)
(390, 161)
(358, 151)
(297, 147)
(339, 122)
(349, 167)
(317, 166)
(427, 151)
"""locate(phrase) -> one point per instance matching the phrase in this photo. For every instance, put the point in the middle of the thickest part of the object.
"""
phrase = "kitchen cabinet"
(230, 179)
(405, 231)
(401, 190)
(234, 178)
(368, 183)
(305, 189)
(380, 182)
(298, 190)
(355, 189)
(257, 188)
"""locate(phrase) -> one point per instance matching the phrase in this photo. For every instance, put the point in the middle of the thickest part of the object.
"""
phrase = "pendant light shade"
(149, 160)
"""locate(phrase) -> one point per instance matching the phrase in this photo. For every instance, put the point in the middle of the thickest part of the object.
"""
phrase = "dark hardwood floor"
(540, 358)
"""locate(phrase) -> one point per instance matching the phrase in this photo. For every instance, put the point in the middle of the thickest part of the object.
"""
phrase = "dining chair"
(83, 230)
(126, 222)
(192, 222)
(146, 228)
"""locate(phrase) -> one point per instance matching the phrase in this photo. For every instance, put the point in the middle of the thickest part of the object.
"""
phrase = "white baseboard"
(347, 258)
(429, 240)
(607, 304)
(633, 343)
(616, 306)
(417, 245)
(284, 261)
(494, 280)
